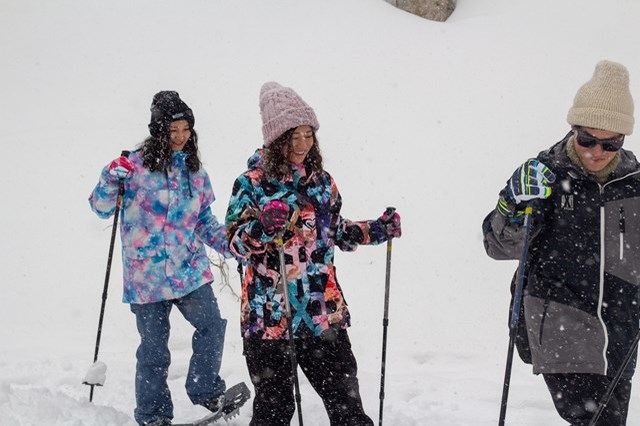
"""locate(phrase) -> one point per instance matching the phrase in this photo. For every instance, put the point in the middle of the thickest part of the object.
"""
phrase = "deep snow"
(429, 117)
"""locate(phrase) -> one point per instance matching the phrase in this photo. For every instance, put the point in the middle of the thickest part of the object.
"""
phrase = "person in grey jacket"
(582, 275)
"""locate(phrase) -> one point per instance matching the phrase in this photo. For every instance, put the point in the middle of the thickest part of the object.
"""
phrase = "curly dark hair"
(276, 163)
(156, 152)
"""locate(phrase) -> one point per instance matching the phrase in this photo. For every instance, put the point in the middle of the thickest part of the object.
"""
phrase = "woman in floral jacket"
(286, 191)
(166, 218)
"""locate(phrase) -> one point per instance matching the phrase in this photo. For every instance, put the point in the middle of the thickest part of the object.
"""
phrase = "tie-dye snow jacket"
(316, 299)
(164, 220)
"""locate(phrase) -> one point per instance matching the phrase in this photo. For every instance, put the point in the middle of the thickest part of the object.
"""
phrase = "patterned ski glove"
(390, 221)
(274, 216)
(121, 168)
(528, 182)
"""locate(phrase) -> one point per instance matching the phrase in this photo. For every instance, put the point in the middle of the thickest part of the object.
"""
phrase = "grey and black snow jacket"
(583, 268)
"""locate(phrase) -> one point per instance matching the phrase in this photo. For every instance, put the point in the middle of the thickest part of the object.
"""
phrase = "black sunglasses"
(587, 140)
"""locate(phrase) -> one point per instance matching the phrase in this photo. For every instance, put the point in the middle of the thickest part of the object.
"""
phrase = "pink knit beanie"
(282, 109)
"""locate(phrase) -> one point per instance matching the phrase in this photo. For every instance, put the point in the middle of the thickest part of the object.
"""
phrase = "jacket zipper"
(621, 226)
(601, 284)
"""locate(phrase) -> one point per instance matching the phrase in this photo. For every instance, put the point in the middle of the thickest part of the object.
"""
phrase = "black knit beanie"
(165, 108)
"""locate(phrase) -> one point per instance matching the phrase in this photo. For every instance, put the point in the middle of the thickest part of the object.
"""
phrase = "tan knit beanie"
(604, 102)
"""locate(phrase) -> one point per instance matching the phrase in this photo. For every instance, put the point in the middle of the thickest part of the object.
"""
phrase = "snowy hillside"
(429, 117)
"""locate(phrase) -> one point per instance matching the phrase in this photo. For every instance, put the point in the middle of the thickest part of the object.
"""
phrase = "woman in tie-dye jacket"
(287, 192)
(165, 219)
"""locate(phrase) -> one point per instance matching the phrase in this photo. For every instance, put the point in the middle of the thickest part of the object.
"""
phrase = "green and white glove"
(530, 181)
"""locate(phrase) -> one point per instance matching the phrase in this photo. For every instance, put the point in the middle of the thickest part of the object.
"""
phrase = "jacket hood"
(255, 161)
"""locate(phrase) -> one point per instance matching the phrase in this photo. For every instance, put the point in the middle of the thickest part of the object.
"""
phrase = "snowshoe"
(227, 407)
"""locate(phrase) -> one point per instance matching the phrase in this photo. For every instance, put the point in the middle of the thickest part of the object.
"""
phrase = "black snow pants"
(328, 364)
(576, 397)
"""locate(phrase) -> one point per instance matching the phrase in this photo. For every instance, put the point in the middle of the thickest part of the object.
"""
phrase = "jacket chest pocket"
(622, 239)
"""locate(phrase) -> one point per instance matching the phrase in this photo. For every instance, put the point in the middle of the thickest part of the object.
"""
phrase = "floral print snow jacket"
(316, 227)
(165, 218)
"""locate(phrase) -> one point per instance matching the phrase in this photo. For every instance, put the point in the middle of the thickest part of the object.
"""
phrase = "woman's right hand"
(274, 216)
(121, 168)
(529, 181)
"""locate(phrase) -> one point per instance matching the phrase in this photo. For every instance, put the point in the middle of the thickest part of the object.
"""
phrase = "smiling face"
(595, 158)
(301, 143)
(179, 134)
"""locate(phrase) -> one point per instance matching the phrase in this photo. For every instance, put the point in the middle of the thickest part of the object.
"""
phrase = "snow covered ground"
(429, 117)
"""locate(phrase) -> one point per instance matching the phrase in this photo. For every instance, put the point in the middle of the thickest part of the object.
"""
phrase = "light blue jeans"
(200, 308)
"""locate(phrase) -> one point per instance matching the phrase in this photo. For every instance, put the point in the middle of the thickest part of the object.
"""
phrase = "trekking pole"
(287, 313)
(515, 313)
(108, 273)
(241, 273)
(614, 382)
(385, 321)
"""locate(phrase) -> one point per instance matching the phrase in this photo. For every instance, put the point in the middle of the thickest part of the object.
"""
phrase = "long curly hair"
(156, 152)
(276, 163)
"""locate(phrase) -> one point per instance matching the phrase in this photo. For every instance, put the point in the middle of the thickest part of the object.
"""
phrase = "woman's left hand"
(390, 221)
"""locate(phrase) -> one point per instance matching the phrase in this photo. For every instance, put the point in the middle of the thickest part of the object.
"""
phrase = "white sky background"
(429, 117)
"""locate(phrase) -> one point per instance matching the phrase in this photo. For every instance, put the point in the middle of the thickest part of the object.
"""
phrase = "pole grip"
(124, 153)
